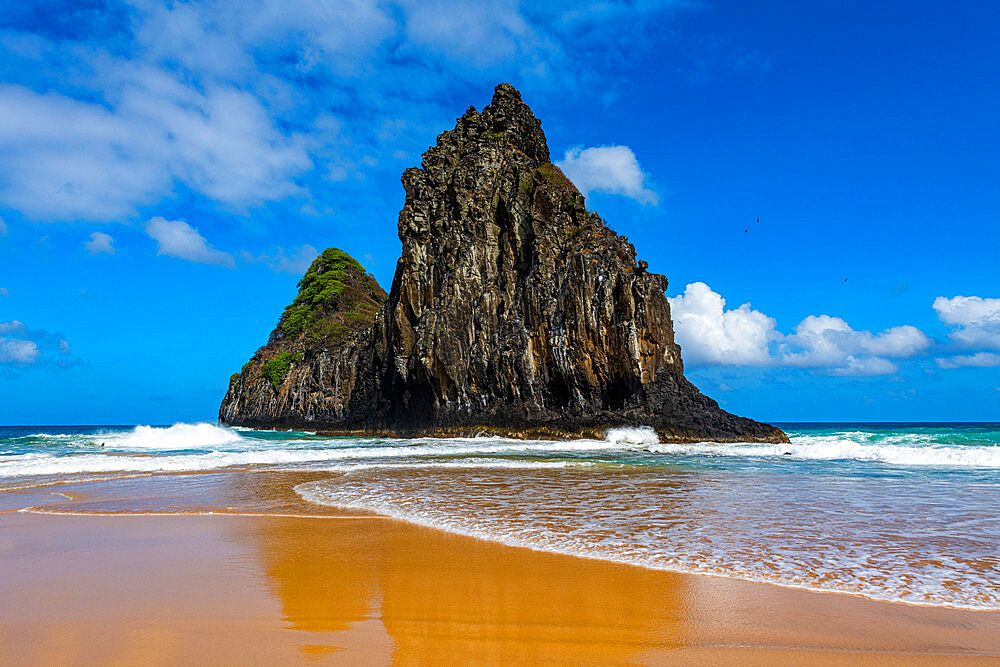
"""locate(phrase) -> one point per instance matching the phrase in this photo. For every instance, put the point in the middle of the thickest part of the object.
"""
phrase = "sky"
(818, 181)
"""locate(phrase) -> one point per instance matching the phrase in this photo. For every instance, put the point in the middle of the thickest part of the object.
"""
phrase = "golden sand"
(320, 586)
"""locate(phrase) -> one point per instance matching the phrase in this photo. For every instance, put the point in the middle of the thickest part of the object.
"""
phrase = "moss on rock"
(277, 368)
(336, 298)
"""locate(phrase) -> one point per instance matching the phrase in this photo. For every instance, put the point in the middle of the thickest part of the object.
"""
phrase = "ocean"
(900, 512)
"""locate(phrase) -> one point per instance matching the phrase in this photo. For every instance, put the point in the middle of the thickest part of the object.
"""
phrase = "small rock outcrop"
(514, 310)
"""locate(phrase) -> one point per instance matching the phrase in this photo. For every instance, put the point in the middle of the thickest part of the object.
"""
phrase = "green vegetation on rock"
(551, 175)
(336, 297)
(555, 176)
(276, 369)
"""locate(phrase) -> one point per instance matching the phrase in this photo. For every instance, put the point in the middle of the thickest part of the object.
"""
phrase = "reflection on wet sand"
(434, 595)
(346, 588)
(447, 597)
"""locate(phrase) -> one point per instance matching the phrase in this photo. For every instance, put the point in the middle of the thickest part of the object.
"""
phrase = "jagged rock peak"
(507, 124)
(513, 310)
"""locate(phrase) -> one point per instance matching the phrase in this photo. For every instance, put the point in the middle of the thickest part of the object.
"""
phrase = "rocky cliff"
(514, 310)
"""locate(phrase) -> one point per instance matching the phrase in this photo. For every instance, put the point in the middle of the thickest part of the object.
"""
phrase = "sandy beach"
(145, 575)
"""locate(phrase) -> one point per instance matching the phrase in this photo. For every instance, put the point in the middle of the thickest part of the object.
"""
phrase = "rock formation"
(514, 310)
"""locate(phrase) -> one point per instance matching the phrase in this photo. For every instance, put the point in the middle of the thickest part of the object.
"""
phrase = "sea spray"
(833, 448)
(632, 435)
(179, 436)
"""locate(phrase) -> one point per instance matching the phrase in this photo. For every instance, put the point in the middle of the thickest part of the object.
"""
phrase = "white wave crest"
(840, 448)
(52, 464)
(179, 436)
(632, 435)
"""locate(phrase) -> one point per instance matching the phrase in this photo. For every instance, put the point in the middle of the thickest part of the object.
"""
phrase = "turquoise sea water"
(904, 512)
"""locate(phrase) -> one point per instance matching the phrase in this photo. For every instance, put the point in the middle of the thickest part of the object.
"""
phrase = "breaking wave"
(842, 447)
(179, 436)
(632, 435)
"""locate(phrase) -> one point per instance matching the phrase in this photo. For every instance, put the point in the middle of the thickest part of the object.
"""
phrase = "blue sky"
(169, 169)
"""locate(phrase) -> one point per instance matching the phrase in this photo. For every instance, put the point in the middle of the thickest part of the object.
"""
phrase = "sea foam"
(843, 447)
(179, 436)
(747, 525)
(632, 435)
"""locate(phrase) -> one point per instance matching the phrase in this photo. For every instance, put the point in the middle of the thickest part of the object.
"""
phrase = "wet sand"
(317, 584)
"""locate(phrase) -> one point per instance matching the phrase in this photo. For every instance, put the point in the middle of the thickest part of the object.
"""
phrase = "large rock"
(513, 310)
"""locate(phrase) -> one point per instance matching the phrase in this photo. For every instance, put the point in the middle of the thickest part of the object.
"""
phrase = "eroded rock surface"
(513, 310)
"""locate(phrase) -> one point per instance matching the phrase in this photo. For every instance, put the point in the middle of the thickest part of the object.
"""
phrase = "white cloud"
(21, 346)
(977, 319)
(480, 33)
(864, 366)
(966, 310)
(67, 159)
(610, 169)
(980, 359)
(178, 239)
(18, 351)
(3, 228)
(233, 101)
(100, 243)
(295, 264)
(824, 341)
(710, 334)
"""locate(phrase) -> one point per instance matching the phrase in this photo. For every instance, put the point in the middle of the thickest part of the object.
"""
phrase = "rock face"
(513, 310)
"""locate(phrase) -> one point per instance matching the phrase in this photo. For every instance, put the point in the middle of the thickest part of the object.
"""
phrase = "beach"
(592, 333)
(236, 567)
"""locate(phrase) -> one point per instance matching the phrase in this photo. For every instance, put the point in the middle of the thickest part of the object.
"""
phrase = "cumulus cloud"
(176, 238)
(609, 169)
(21, 346)
(295, 264)
(824, 341)
(967, 310)
(100, 243)
(711, 335)
(976, 326)
(977, 320)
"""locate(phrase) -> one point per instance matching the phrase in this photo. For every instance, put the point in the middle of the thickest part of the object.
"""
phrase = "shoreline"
(375, 516)
(353, 587)
(45, 509)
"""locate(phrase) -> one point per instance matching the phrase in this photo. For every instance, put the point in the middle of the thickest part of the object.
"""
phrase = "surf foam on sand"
(905, 513)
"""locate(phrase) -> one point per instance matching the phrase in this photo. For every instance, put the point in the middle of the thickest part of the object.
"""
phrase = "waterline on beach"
(906, 513)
